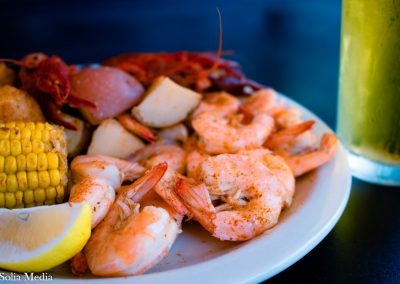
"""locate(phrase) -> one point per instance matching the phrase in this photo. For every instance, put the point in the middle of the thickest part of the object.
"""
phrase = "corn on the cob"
(33, 164)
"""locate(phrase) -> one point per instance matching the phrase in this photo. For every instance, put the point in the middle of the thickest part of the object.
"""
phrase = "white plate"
(196, 257)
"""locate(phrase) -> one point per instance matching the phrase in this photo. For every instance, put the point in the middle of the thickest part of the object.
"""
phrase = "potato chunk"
(17, 105)
(166, 104)
(112, 90)
(111, 139)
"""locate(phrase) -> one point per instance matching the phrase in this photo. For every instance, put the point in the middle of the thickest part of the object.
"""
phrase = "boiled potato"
(166, 104)
(17, 105)
(78, 139)
(111, 139)
(112, 90)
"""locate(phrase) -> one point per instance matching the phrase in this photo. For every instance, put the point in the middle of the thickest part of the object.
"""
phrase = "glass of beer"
(369, 89)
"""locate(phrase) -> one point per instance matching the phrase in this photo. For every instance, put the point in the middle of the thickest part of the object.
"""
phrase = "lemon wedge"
(39, 238)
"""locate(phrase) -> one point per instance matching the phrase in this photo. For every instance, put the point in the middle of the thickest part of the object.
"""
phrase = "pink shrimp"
(130, 241)
(228, 135)
(305, 162)
(251, 191)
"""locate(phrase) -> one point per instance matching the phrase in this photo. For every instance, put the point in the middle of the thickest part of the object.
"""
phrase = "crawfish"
(46, 79)
(201, 71)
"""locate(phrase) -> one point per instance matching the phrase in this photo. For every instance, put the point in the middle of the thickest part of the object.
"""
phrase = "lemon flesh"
(39, 238)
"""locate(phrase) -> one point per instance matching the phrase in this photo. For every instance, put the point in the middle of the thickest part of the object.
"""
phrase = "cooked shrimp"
(251, 191)
(286, 121)
(136, 127)
(160, 152)
(175, 158)
(165, 189)
(279, 167)
(78, 264)
(98, 192)
(80, 167)
(193, 161)
(95, 180)
(262, 101)
(228, 135)
(194, 157)
(303, 163)
(288, 117)
(130, 241)
(287, 135)
(221, 103)
(176, 133)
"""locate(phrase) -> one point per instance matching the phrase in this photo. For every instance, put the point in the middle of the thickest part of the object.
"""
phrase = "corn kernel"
(26, 146)
(10, 200)
(28, 196)
(48, 126)
(21, 163)
(2, 199)
(40, 195)
(36, 135)
(44, 179)
(22, 180)
(42, 162)
(55, 178)
(15, 133)
(33, 180)
(4, 132)
(20, 124)
(60, 194)
(10, 165)
(50, 202)
(16, 148)
(10, 124)
(52, 161)
(31, 162)
(40, 126)
(30, 125)
(37, 146)
(3, 182)
(1, 164)
(4, 148)
(51, 193)
(26, 134)
(19, 198)
(45, 135)
(12, 183)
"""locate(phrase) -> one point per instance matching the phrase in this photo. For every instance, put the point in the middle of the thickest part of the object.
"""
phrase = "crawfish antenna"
(205, 73)
(219, 53)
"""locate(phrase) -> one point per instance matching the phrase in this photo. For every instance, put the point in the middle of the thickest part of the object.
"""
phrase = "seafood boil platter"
(159, 167)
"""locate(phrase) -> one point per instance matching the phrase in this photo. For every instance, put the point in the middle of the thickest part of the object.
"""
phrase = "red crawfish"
(201, 71)
(46, 79)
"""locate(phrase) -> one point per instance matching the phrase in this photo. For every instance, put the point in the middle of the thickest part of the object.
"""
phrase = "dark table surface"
(290, 45)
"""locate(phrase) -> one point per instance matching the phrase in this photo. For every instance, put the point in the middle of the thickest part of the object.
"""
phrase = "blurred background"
(292, 46)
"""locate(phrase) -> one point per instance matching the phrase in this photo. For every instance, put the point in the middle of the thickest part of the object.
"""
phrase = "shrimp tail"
(78, 264)
(136, 127)
(166, 190)
(197, 199)
(301, 164)
(140, 187)
(286, 135)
